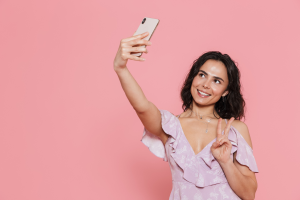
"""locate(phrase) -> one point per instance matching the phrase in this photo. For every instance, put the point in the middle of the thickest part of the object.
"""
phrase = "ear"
(225, 93)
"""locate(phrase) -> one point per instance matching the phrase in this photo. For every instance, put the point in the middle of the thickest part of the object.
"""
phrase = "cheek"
(196, 81)
(217, 90)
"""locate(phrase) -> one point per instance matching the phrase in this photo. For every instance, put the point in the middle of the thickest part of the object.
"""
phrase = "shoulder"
(172, 114)
(167, 115)
(242, 128)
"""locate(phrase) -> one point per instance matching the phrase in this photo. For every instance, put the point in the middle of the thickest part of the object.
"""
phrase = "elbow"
(249, 196)
(142, 108)
(250, 193)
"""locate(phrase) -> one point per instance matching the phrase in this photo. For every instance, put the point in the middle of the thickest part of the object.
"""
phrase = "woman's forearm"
(242, 185)
(132, 90)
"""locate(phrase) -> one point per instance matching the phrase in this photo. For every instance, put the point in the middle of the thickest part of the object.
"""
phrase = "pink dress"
(196, 177)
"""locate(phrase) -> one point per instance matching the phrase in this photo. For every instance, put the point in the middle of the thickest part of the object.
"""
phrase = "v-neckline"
(189, 142)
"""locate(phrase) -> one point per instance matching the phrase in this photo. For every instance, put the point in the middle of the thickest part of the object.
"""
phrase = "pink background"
(67, 130)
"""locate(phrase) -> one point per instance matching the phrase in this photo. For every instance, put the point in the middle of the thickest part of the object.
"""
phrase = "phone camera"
(143, 20)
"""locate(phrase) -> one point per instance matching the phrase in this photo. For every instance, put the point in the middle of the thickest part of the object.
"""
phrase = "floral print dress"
(196, 177)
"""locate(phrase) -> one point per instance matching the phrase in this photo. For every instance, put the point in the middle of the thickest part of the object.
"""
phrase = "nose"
(206, 84)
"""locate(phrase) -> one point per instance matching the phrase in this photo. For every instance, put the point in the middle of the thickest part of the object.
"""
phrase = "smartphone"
(148, 25)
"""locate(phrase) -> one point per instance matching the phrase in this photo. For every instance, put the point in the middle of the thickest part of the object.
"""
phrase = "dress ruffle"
(194, 170)
(170, 127)
(244, 153)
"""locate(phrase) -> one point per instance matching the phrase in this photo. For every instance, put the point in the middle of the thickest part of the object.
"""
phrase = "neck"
(207, 110)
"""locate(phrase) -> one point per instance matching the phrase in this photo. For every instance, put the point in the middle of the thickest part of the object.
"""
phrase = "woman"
(206, 162)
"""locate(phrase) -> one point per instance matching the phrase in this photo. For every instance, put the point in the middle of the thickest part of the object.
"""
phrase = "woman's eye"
(201, 75)
(218, 81)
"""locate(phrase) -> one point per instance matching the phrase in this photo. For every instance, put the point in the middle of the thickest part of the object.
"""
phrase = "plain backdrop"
(67, 130)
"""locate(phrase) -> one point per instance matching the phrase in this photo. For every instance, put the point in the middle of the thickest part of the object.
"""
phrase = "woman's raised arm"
(147, 112)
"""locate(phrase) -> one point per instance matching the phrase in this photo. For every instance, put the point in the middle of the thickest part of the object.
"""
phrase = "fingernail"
(149, 42)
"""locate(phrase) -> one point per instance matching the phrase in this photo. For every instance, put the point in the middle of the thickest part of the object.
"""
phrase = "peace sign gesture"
(221, 148)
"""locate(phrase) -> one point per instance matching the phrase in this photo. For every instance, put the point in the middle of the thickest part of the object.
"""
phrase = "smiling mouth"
(202, 93)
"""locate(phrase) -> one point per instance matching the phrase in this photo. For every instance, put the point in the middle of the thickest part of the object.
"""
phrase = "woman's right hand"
(127, 47)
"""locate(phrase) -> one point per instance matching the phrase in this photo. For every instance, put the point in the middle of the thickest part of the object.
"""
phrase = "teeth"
(203, 93)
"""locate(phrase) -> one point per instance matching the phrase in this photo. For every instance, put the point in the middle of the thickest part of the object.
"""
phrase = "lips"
(203, 93)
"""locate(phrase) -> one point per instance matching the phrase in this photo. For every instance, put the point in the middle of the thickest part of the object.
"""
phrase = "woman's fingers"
(126, 48)
(138, 42)
(219, 128)
(221, 139)
(224, 139)
(132, 57)
(126, 51)
(134, 49)
(134, 44)
(227, 128)
(215, 145)
(140, 36)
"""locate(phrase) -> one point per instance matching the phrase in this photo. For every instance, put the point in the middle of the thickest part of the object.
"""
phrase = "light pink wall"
(67, 130)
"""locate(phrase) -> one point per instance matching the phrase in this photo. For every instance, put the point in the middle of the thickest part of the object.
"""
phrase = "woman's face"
(211, 81)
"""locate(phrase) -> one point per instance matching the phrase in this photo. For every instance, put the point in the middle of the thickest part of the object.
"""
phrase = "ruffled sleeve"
(244, 153)
(155, 145)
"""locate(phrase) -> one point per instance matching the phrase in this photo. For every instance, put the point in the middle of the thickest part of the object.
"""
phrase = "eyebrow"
(214, 76)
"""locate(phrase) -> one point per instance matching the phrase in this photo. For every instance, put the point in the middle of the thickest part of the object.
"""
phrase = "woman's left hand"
(221, 148)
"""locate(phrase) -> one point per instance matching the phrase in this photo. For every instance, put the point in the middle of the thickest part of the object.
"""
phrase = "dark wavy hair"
(234, 104)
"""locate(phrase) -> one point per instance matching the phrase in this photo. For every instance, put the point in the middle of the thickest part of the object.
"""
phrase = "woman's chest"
(198, 134)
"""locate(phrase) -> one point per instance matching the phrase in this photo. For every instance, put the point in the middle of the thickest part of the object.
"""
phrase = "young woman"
(206, 162)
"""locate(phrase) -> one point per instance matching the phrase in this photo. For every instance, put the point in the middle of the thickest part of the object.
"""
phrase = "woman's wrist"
(227, 163)
(119, 70)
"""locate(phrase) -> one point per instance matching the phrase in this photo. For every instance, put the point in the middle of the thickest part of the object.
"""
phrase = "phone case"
(147, 25)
